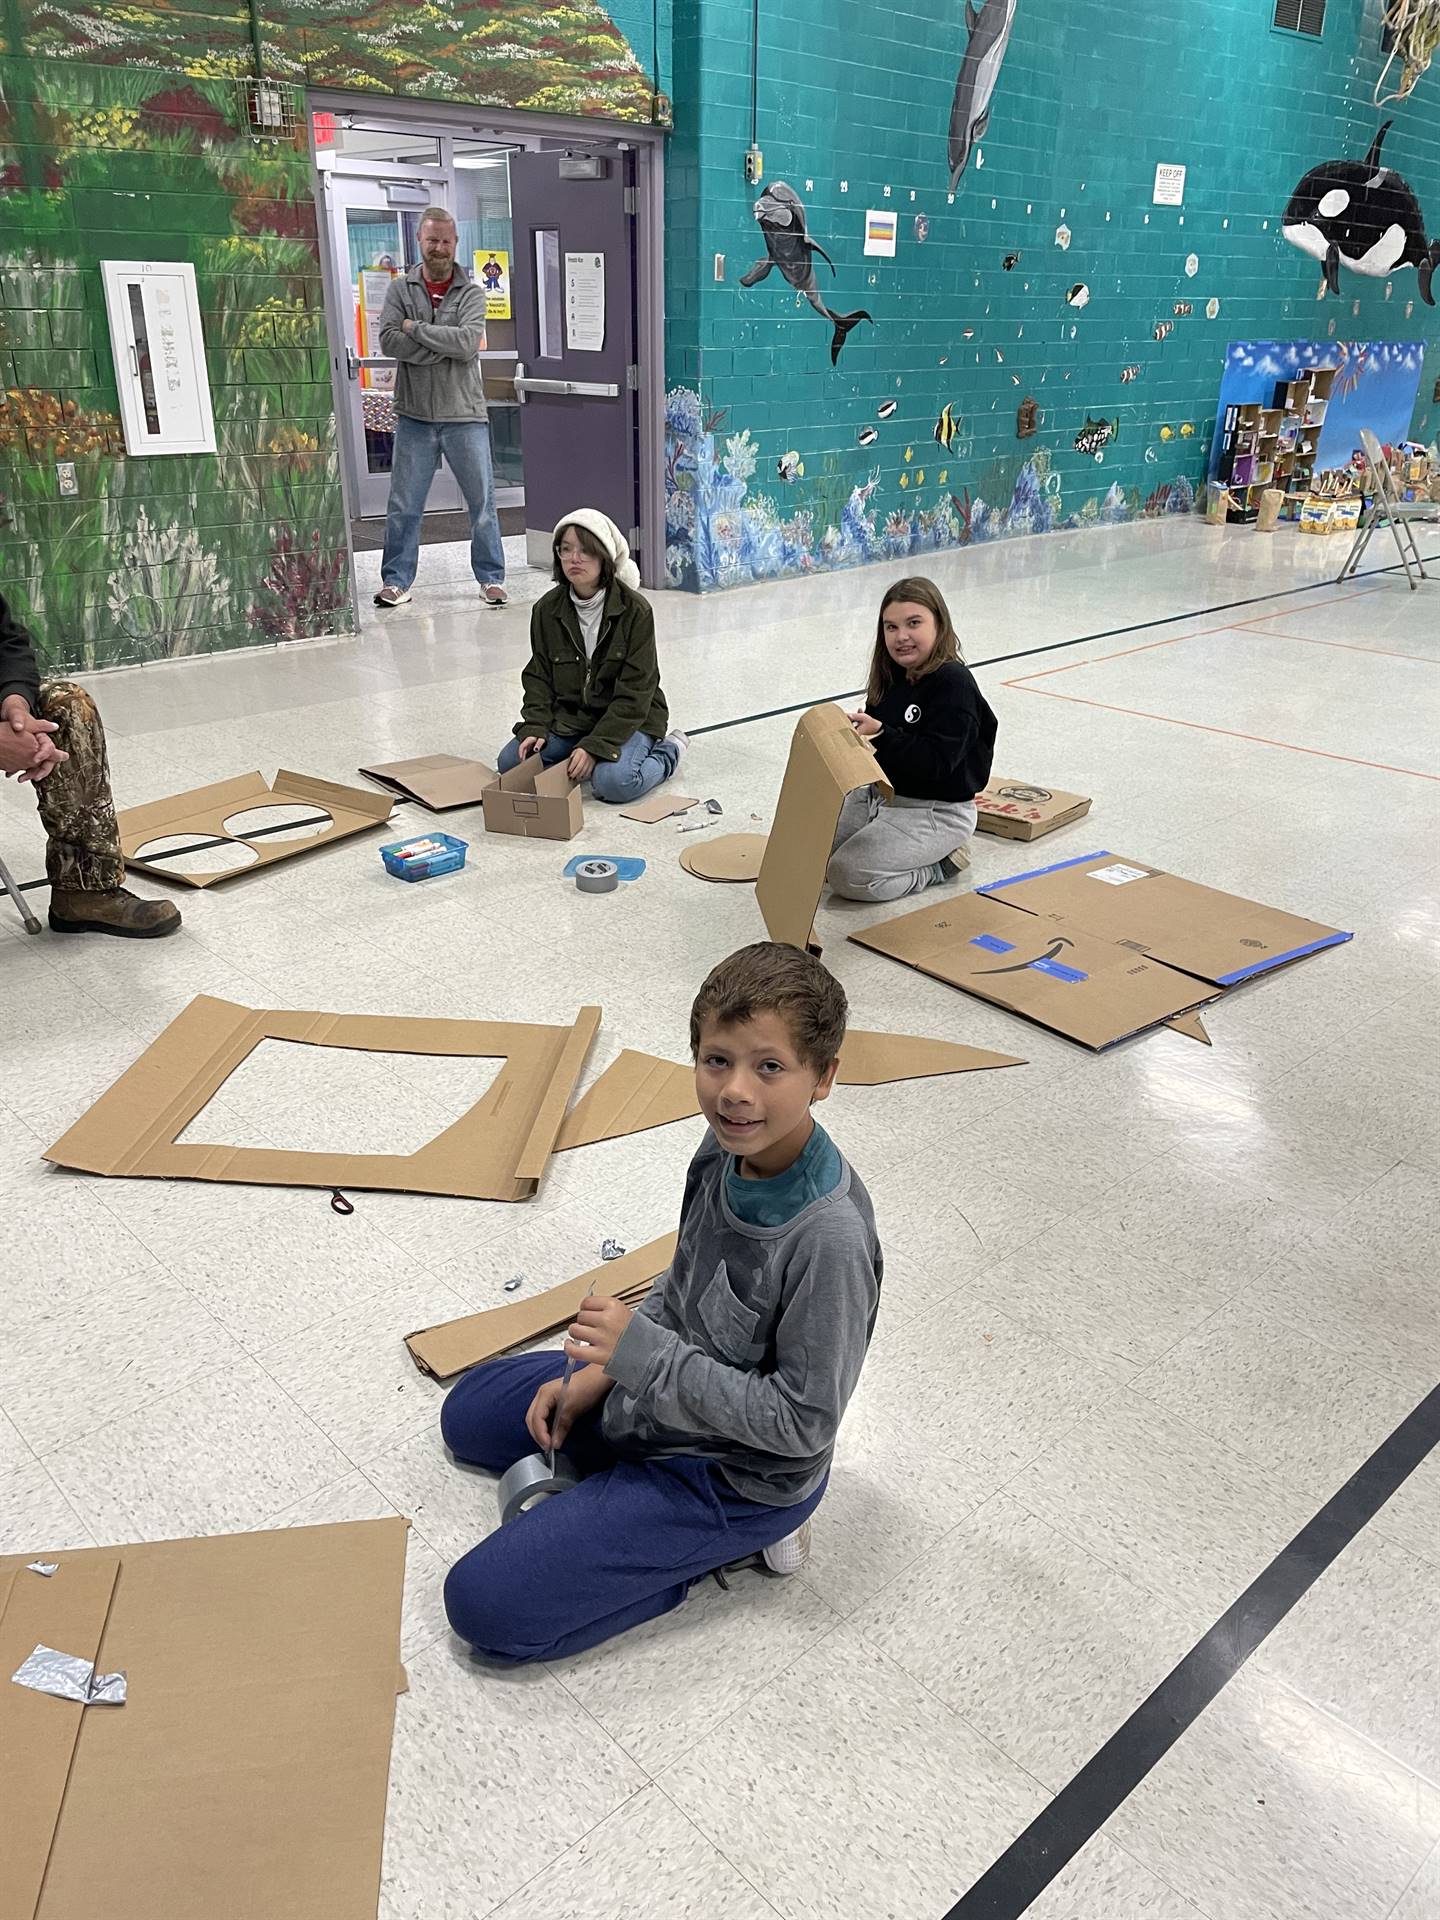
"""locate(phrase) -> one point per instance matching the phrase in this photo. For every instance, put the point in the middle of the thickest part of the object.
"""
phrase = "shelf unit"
(1263, 447)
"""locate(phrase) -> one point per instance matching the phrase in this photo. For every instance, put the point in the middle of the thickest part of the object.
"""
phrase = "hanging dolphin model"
(1362, 216)
(789, 247)
(979, 70)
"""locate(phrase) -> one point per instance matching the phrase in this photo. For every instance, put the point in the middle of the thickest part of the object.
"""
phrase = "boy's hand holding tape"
(592, 1341)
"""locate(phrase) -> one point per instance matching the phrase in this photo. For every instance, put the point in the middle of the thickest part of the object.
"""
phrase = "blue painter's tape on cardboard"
(1058, 970)
(1279, 959)
(992, 943)
(1059, 866)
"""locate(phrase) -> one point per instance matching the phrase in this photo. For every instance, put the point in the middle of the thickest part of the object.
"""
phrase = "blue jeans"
(418, 447)
(625, 1545)
(644, 762)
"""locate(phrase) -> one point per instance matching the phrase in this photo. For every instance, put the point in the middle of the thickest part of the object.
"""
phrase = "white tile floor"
(1144, 1312)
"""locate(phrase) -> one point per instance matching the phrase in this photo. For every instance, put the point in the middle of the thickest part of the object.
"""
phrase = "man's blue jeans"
(418, 447)
(644, 762)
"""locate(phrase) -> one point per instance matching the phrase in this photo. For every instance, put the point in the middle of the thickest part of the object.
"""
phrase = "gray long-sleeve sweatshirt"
(748, 1348)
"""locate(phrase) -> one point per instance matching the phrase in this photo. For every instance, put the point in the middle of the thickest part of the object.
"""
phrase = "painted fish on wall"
(1096, 434)
(989, 32)
(946, 426)
(788, 246)
(1362, 216)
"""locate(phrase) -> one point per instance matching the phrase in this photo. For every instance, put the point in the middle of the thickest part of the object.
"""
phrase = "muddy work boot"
(118, 911)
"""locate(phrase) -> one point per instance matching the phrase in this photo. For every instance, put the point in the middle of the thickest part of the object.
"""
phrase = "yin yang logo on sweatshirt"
(912, 714)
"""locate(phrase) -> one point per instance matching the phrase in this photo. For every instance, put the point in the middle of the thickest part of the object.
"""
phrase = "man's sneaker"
(495, 595)
(116, 911)
(392, 596)
(680, 742)
(790, 1554)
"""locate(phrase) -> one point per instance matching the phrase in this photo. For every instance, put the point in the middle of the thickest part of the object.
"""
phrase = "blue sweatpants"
(625, 1545)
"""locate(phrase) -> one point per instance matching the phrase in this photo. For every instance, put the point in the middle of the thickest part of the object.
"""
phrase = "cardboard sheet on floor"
(246, 1773)
(828, 760)
(1018, 811)
(454, 1345)
(638, 1091)
(201, 815)
(1100, 947)
(495, 1151)
(728, 857)
(658, 806)
(439, 781)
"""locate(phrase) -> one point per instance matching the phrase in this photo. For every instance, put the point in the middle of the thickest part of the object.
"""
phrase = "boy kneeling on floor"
(704, 1419)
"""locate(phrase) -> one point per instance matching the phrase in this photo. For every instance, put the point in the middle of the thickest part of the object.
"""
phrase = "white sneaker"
(495, 595)
(681, 743)
(790, 1554)
(392, 596)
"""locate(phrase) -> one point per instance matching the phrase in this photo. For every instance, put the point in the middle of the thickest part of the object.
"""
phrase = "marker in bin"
(424, 858)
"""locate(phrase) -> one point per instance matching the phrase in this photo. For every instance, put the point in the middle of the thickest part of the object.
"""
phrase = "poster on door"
(492, 272)
(370, 291)
(585, 302)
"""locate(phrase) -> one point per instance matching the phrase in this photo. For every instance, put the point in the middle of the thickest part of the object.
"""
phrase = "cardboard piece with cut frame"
(201, 815)
(498, 1150)
(249, 1784)
(1098, 948)
(828, 760)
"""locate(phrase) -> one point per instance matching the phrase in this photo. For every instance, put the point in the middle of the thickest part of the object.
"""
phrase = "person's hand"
(531, 744)
(597, 1330)
(580, 765)
(25, 744)
(864, 724)
(407, 326)
(588, 1387)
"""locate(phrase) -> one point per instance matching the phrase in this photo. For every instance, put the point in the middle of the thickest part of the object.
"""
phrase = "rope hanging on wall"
(1412, 33)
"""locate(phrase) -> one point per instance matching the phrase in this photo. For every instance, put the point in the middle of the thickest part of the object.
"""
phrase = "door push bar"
(580, 389)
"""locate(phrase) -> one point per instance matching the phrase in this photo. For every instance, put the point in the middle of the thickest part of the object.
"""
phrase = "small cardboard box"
(541, 803)
(828, 760)
(246, 1772)
(1016, 811)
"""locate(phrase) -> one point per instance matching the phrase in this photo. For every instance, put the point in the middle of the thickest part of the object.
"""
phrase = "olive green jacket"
(600, 702)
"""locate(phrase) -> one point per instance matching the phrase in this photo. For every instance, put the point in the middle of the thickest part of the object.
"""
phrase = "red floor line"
(1230, 733)
(1345, 646)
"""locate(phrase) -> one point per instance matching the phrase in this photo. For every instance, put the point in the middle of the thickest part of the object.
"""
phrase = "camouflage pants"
(76, 807)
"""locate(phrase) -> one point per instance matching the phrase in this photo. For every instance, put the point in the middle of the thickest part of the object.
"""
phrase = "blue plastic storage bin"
(425, 866)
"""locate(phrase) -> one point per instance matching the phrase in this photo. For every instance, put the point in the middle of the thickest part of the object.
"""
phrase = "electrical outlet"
(754, 166)
(65, 479)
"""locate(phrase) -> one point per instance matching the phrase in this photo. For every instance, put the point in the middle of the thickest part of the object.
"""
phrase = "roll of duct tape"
(531, 1480)
(597, 876)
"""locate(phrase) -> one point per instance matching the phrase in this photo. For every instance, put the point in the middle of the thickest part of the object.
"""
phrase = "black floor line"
(1056, 646)
(1084, 1804)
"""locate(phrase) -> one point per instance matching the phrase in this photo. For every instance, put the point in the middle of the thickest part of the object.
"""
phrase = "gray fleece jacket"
(747, 1350)
(438, 376)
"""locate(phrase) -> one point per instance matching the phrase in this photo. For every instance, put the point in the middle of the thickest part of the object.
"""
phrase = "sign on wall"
(880, 229)
(1169, 186)
(159, 350)
(492, 270)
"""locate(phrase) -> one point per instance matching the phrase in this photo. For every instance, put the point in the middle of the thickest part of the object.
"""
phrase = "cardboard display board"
(246, 1772)
(1098, 948)
(659, 806)
(1017, 811)
(496, 1151)
(454, 1345)
(538, 802)
(828, 760)
(201, 815)
(439, 781)
(730, 857)
(638, 1091)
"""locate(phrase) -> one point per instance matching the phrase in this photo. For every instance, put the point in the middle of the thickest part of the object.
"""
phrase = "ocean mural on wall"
(722, 531)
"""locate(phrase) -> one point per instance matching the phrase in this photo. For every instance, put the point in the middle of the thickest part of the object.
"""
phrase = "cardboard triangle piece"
(874, 1059)
(1192, 1026)
(439, 781)
(445, 1350)
(828, 760)
(659, 806)
(733, 856)
(201, 815)
(497, 1150)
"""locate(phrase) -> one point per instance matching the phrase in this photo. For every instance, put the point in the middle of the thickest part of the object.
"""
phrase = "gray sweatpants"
(884, 852)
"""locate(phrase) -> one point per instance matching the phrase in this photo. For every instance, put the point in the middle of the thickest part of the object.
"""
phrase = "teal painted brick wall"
(854, 106)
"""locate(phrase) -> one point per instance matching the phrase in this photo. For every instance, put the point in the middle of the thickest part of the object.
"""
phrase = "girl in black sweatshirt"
(934, 737)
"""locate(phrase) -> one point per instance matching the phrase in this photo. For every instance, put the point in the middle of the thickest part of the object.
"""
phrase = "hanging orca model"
(979, 70)
(781, 215)
(1362, 216)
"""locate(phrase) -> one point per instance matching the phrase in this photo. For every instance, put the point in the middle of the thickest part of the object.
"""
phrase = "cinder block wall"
(854, 111)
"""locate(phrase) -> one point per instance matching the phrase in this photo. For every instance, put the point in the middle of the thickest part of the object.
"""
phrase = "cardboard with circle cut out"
(201, 814)
(497, 1150)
